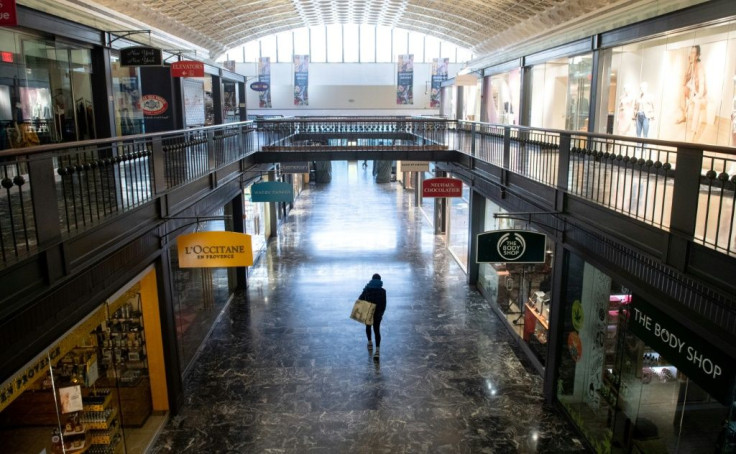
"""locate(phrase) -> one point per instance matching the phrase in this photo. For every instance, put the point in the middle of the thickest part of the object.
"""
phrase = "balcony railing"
(57, 191)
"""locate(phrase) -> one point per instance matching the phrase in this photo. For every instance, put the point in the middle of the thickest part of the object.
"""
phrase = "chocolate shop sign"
(711, 368)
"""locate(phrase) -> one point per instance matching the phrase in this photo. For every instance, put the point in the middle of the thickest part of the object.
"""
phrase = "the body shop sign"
(442, 187)
(517, 246)
(154, 105)
(272, 191)
(214, 250)
(711, 368)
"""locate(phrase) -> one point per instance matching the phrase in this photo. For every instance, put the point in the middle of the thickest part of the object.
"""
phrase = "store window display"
(644, 110)
(690, 78)
(100, 388)
(561, 93)
(621, 381)
(502, 106)
(522, 291)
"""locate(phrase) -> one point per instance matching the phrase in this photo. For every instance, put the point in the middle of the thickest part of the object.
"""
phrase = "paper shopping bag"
(363, 312)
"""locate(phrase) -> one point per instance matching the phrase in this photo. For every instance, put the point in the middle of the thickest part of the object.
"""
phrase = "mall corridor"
(286, 370)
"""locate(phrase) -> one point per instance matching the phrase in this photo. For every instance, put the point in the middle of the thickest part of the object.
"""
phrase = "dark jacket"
(375, 293)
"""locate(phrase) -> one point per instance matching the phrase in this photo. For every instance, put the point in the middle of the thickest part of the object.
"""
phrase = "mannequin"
(625, 112)
(644, 110)
(694, 91)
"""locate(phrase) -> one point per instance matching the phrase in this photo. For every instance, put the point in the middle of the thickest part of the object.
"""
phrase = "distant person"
(376, 294)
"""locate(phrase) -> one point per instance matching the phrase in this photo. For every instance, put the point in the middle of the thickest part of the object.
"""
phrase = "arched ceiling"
(483, 26)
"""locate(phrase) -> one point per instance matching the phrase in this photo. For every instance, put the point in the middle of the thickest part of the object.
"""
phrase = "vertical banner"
(264, 76)
(301, 80)
(405, 80)
(157, 101)
(439, 74)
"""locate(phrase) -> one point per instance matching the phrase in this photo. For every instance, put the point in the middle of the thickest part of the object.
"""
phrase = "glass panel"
(416, 47)
(367, 43)
(301, 41)
(503, 104)
(334, 43)
(255, 222)
(458, 227)
(268, 47)
(81, 73)
(351, 43)
(578, 95)
(285, 48)
(431, 48)
(318, 53)
(252, 52)
(400, 43)
(383, 44)
(448, 50)
(126, 86)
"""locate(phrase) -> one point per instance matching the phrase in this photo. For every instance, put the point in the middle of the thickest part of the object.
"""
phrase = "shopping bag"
(363, 311)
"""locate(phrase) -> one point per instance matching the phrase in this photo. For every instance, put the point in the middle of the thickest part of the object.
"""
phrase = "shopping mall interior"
(190, 209)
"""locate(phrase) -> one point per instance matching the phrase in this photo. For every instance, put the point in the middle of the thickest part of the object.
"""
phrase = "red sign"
(442, 187)
(187, 69)
(6, 57)
(8, 15)
(153, 104)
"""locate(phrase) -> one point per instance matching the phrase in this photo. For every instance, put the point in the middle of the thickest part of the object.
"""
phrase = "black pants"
(376, 329)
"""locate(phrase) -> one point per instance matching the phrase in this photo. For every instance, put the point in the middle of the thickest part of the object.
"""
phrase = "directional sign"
(517, 246)
(187, 69)
(259, 86)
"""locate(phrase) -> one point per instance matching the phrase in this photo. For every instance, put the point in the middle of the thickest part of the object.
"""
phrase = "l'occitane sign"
(214, 250)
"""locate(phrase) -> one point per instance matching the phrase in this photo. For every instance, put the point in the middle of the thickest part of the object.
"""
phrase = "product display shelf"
(532, 318)
(99, 401)
(81, 431)
(102, 421)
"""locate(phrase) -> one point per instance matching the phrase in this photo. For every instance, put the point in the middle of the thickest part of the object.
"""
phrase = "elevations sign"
(272, 191)
(504, 246)
(708, 366)
(442, 187)
(140, 56)
(214, 250)
(187, 69)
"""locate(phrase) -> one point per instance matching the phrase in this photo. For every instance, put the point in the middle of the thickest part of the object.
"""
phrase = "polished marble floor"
(286, 370)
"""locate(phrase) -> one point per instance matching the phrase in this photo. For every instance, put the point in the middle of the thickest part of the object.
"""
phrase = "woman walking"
(376, 294)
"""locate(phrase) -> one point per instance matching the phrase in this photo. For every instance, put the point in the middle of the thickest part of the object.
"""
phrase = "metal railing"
(93, 180)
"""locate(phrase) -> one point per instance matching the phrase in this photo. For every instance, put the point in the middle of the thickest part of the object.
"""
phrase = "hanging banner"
(414, 166)
(294, 167)
(439, 74)
(157, 99)
(8, 13)
(301, 80)
(187, 69)
(405, 80)
(214, 250)
(704, 363)
(442, 187)
(504, 246)
(272, 191)
(264, 76)
(140, 56)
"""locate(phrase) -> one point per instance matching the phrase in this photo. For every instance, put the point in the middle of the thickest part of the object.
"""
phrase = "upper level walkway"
(676, 198)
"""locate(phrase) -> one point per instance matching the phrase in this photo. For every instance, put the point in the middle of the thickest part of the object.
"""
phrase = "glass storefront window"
(256, 215)
(45, 91)
(521, 291)
(100, 388)
(199, 296)
(624, 393)
(457, 227)
(502, 106)
(679, 87)
(561, 93)
(126, 87)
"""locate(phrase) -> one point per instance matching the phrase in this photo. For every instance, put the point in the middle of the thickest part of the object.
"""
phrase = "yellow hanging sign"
(214, 250)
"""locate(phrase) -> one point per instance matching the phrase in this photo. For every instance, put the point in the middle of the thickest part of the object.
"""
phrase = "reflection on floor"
(286, 370)
(137, 440)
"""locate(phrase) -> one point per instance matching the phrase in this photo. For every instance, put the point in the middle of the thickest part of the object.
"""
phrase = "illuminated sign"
(214, 250)
(517, 246)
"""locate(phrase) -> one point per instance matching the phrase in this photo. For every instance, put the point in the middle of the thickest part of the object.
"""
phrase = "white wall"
(343, 89)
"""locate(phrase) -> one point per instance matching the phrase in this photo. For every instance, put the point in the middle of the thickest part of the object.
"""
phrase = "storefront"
(502, 100)
(199, 294)
(521, 292)
(45, 91)
(677, 87)
(560, 93)
(458, 220)
(99, 388)
(632, 378)
(257, 215)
